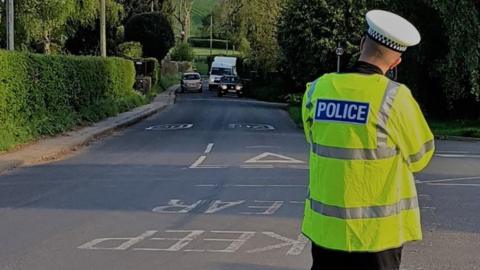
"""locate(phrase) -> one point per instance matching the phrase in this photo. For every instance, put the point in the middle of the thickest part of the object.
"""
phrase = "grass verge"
(206, 52)
(295, 112)
(168, 80)
(456, 128)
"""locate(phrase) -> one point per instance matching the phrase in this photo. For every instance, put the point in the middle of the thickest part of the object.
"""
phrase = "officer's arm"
(413, 136)
(306, 115)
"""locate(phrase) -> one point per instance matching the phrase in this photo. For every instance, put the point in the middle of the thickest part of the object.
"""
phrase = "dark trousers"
(326, 259)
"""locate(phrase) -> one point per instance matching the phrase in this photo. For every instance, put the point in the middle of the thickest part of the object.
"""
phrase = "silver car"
(191, 82)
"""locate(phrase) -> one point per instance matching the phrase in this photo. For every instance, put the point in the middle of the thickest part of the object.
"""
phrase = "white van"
(221, 66)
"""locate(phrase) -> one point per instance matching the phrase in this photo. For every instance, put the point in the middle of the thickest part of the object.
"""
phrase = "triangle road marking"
(267, 158)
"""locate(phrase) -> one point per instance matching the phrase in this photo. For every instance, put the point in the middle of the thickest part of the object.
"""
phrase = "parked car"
(230, 84)
(191, 82)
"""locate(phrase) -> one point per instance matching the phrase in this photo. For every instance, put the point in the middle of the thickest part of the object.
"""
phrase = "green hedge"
(46, 95)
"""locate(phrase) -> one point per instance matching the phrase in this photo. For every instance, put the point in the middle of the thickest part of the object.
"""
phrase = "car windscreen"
(191, 77)
(221, 71)
(228, 79)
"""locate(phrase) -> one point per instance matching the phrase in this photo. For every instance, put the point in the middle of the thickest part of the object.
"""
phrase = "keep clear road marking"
(277, 159)
(183, 238)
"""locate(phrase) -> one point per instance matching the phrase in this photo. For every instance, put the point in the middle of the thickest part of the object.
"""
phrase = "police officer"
(367, 136)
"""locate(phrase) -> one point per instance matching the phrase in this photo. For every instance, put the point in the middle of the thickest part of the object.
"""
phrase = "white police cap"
(391, 30)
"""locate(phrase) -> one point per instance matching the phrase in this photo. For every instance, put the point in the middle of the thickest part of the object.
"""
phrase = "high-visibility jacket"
(367, 137)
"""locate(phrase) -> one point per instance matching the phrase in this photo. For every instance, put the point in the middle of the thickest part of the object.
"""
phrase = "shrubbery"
(183, 52)
(46, 95)
(132, 50)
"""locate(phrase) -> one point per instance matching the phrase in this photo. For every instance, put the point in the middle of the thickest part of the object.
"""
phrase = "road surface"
(208, 184)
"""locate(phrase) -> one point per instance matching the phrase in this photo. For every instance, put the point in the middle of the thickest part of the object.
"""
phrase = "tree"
(134, 7)
(44, 22)
(153, 31)
(183, 17)
(446, 64)
(309, 32)
(85, 40)
(252, 27)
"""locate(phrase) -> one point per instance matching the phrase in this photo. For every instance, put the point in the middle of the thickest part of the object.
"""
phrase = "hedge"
(46, 95)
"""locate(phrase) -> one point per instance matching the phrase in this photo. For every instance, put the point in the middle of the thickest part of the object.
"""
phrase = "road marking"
(235, 244)
(194, 237)
(257, 166)
(457, 156)
(209, 148)
(198, 162)
(256, 127)
(297, 202)
(279, 159)
(460, 185)
(261, 146)
(221, 205)
(169, 127)
(128, 242)
(454, 152)
(211, 167)
(181, 242)
(269, 209)
(177, 207)
(253, 186)
(447, 180)
(297, 245)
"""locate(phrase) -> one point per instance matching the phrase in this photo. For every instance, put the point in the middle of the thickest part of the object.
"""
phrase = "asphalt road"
(208, 184)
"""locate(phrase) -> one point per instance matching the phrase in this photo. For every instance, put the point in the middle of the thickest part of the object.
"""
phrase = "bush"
(183, 52)
(46, 95)
(153, 31)
(131, 50)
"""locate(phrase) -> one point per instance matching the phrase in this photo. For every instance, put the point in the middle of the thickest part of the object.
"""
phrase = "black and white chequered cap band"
(386, 41)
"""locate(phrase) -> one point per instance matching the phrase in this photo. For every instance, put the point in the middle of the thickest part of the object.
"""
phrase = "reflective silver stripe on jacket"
(427, 147)
(310, 92)
(352, 153)
(364, 212)
(384, 115)
(382, 151)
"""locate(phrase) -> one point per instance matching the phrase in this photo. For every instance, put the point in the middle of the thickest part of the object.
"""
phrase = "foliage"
(130, 50)
(44, 22)
(183, 52)
(134, 7)
(309, 32)
(46, 95)
(250, 26)
(85, 40)
(446, 65)
(169, 80)
(153, 31)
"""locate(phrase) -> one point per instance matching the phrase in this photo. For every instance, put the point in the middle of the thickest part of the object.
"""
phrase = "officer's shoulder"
(403, 89)
(321, 78)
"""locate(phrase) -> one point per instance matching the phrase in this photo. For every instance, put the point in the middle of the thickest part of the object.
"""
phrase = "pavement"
(52, 148)
(208, 183)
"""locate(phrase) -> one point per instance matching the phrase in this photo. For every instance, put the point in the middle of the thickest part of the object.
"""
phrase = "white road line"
(261, 146)
(211, 167)
(257, 166)
(253, 186)
(447, 180)
(457, 156)
(199, 161)
(298, 167)
(453, 152)
(209, 148)
(462, 185)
